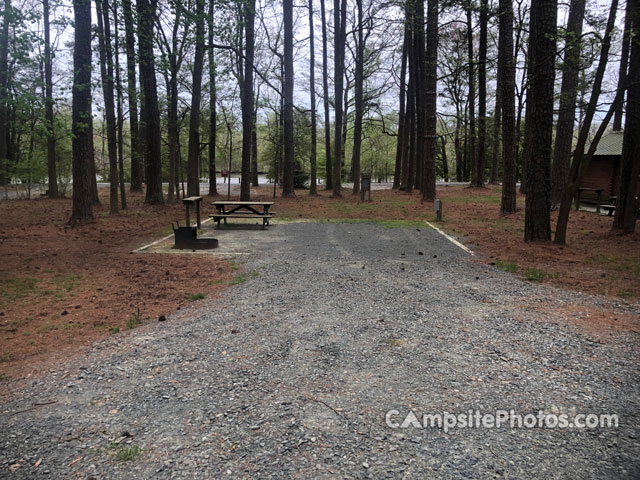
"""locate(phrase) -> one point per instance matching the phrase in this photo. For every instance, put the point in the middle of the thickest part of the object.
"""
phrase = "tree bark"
(624, 61)
(339, 24)
(313, 189)
(431, 88)
(537, 226)
(82, 119)
(325, 99)
(193, 161)
(152, 150)
(497, 124)
(247, 99)
(119, 109)
(288, 167)
(4, 80)
(402, 136)
(581, 158)
(568, 97)
(132, 93)
(472, 97)
(626, 202)
(52, 191)
(477, 179)
(359, 107)
(106, 75)
(213, 187)
(507, 81)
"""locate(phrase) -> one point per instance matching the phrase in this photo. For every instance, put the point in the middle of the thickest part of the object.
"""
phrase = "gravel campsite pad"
(291, 374)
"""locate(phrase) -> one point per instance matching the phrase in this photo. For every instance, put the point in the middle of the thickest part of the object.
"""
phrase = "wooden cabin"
(604, 170)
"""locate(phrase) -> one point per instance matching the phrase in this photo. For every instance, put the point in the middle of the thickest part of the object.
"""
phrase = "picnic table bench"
(240, 209)
(597, 191)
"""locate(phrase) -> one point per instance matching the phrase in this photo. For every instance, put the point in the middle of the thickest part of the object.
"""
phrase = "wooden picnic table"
(598, 192)
(241, 209)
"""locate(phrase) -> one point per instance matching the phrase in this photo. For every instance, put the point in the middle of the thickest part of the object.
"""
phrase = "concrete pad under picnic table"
(239, 237)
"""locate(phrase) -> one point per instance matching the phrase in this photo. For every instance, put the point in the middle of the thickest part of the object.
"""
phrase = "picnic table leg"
(598, 205)
(188, 217)
(198, 214)
(577, 200)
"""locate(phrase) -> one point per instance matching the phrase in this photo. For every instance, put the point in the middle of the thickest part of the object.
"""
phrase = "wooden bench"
(193, 201)
(219, 216)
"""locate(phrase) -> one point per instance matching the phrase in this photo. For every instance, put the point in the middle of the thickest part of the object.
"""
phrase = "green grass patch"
(134, 319)
(486, 199)
(243, 277)
(4, 378)
(393, 342)
(13, 290)
(534, 275)
(506, 265)
(114, 330)
(619, 264)
(197, 296)
(125, 453)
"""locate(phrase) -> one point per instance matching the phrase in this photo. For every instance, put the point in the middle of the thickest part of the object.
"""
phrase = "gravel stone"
(291, 373)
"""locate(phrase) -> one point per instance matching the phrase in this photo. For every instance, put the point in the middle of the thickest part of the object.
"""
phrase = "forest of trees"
(142, 93)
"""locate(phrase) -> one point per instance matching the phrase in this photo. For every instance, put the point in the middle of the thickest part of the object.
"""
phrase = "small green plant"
(134, 320)
(4, 378)
(125, 453)
(197, 296)
(507, 266)
(114, 329)
(625, 293)
(534, 275)
(243, 277)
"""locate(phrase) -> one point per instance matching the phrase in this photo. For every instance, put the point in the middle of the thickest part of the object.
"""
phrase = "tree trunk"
(568, 96)
(213, 187)
(152, 150)
(542, 53)
(624, 60)
(120, 113)
(247, 100)
(132, 93)
(287, 118)
(431, 88)
(507, 81)
(445, 163)
(581, 158)
(313, 189)
(420, 94)
(254, 146)
(472, 98)
(402, 136)
(497, 124)
(193, 161)
(477, 179)
(325, 99)
(52, 191)
(4, 80)
(458, 149)
(82, 121)
(359, 107)
(627, 204)
(106, 75)
(339, 24)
